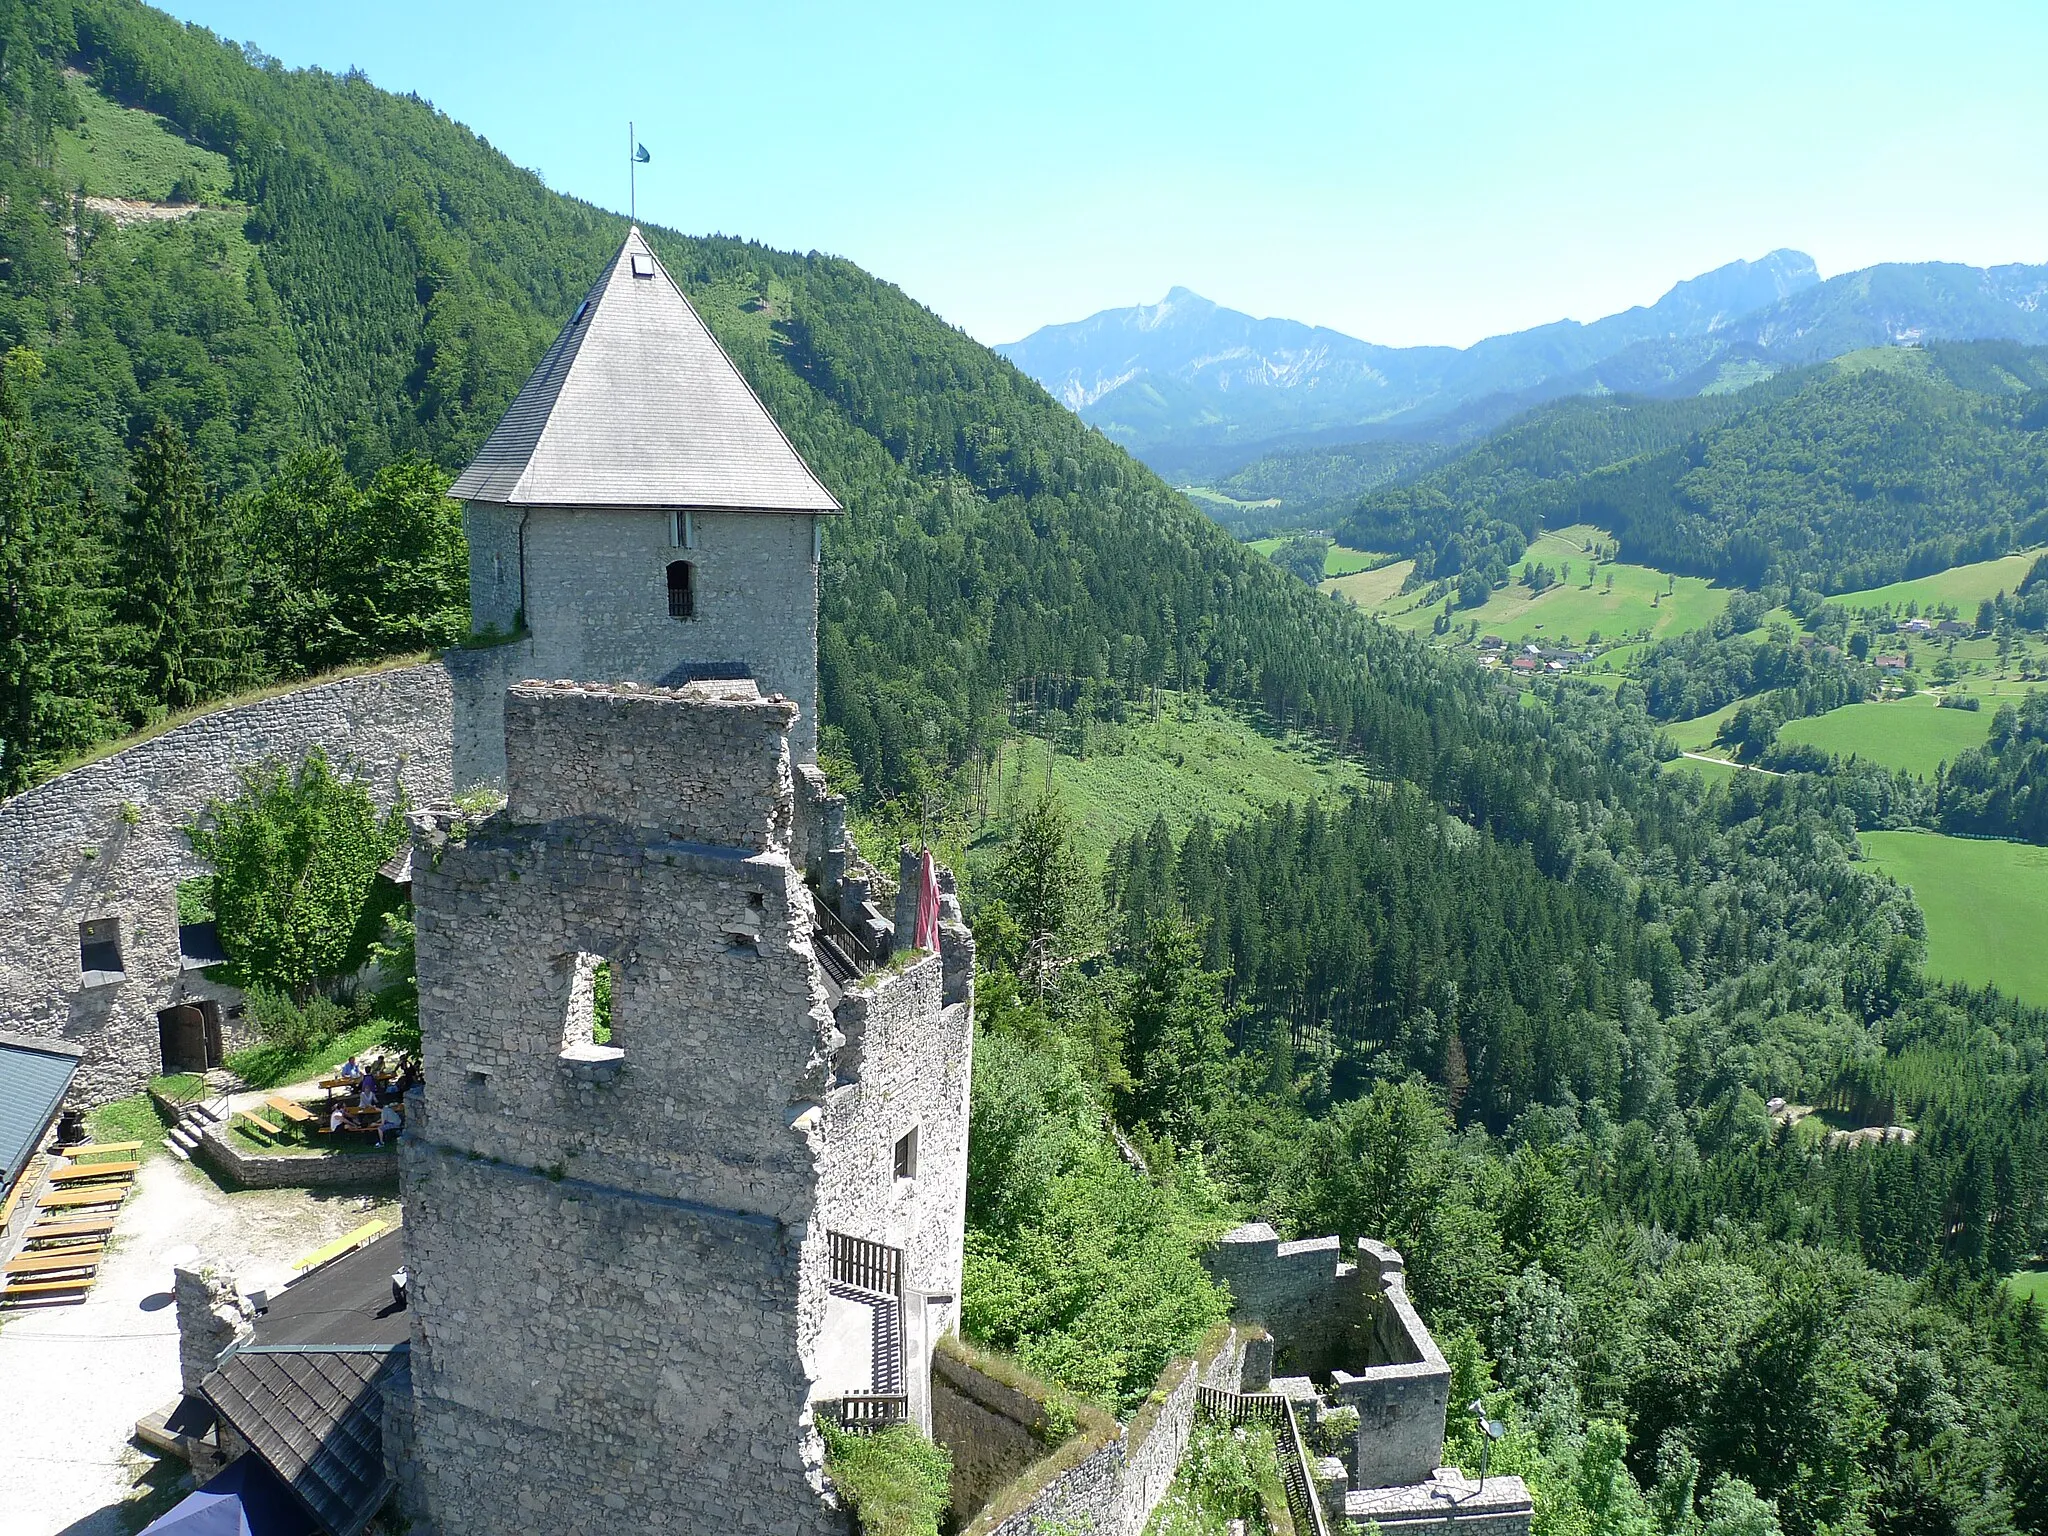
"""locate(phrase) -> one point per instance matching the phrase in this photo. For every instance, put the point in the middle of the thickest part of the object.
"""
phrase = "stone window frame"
(579, 1016)
(682, 529)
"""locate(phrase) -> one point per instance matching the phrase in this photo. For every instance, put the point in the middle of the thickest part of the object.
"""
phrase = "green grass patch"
(1964, 585)
(1372, 589)
(1986, 905)
(1194, 760)
(1338, 560)
(1913, 734)
(1221, 499)
(296, 1140)
(1697, 734)
(896, 1482)
(1715, 771)
(116, 151)
(269, 1066)
(135, 1118)
(1637, 604)
(2029, 1284)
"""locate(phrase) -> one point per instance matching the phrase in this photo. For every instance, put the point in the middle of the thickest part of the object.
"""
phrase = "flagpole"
(632, 174)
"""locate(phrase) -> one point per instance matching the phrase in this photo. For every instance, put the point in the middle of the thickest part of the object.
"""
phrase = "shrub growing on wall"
(294, 856)
(896, 1482)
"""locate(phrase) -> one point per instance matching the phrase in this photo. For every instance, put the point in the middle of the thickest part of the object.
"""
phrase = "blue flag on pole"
(640, 154)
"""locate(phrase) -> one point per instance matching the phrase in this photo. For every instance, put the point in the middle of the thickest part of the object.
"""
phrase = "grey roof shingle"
(637, 405)
(34, 1077)
(316, 1416)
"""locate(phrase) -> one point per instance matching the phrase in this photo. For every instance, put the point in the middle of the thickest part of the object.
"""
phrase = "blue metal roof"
(35, 1074)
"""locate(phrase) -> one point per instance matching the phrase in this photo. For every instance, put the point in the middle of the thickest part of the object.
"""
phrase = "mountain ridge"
(1196, 388)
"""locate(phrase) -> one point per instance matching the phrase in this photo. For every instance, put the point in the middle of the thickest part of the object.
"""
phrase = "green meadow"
(1337, 559)
(1638, 602)
(1913, 734)
(1986, 905)
(116, 151)
(1964, 585)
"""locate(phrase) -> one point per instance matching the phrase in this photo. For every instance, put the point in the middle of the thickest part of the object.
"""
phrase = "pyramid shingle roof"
(637, 405)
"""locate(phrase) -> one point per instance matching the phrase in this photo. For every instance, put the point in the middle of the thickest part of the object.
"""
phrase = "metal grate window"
(682, 590)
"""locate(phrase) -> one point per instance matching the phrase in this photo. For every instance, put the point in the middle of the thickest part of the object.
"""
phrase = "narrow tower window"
(682, 590)
(589, 1020)
(682, 530)
(906, 1154)
(99, 951)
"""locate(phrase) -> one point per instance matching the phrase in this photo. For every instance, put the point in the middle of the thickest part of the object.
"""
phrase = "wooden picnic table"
(98, 1148)
(289, 1109)
(53, 1263)
(57, 1231)
(79, 1172)
(106, 1194)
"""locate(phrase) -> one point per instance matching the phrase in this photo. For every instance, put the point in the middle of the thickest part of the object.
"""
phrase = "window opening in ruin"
(906, 1154)
(589, 1020)
(757, 899)
(99, 951)
(682, 530)
(682, 590)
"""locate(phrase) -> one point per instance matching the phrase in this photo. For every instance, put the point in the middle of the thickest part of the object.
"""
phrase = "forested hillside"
(1518, 1009)
(1855, 473)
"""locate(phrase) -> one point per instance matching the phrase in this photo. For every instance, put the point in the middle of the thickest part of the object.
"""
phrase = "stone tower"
(689, 1169)
(637, 516)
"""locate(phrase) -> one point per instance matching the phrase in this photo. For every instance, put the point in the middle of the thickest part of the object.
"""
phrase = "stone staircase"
(183, 1138)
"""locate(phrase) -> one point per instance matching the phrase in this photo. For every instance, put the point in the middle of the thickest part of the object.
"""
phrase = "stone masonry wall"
(613, 752)
(253, 1170)
(992, 1431)
(1113, 1491)
(905, 1066)
(1305, 1292)
(596, 605)
(105, 841)
(588, 1359)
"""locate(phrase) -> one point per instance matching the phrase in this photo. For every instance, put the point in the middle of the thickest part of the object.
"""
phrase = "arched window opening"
(682, 590)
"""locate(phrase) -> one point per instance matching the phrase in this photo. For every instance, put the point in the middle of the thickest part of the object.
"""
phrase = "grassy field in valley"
(1986, 905)
(1337, 559)
(1573, 609)
(2029, 1282)
(1964, 585)
(1913, 734)
(1371, 589)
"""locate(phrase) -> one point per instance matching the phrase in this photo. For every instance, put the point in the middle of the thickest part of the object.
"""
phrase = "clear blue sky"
(1407, 173)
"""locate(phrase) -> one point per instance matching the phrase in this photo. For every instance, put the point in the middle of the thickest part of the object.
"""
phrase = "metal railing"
(1276, 1409)
(867, 1413)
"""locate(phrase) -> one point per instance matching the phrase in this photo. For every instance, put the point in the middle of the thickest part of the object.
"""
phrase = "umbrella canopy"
(245, 1499)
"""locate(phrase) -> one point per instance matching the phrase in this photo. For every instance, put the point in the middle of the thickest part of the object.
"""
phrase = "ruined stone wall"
(106, 841)
(905, 1066)
(256, 1170)
(1305, 1292)
(589, 1359)
(596, 606)
(615, 753)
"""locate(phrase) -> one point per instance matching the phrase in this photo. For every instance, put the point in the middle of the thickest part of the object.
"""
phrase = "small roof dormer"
(637, 405)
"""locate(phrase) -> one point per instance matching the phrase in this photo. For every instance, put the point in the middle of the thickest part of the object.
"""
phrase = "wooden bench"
(78, 1173)
(260, 1123)
(347, 1243)
(36, 1289)
(13, 1199)
(288, 1109)
(100, 1148)
(59, 1231)
(108, 1194)
(54, 1263)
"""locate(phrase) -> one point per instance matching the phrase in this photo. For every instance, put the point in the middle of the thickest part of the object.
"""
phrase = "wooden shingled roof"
(315, 1414)
(637, 405)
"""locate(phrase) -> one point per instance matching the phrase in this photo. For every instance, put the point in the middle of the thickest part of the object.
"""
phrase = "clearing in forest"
(1986, 904)
(1914, 734)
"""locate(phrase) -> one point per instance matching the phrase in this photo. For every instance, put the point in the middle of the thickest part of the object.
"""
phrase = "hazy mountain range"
(1196, 389)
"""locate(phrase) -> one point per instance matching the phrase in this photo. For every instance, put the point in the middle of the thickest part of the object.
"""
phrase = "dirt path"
(1701, 757)
(78, 1377)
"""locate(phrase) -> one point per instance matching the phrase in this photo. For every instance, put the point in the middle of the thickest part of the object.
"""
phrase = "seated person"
(367, 1099)
(351, 1069)
(338, 1121)
(389, 1121)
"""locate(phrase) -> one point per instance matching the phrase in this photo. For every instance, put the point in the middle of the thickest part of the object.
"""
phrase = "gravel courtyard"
(78, 1377)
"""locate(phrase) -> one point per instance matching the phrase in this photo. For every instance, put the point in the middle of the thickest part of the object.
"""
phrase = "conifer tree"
(179, 590)
(38, 549)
